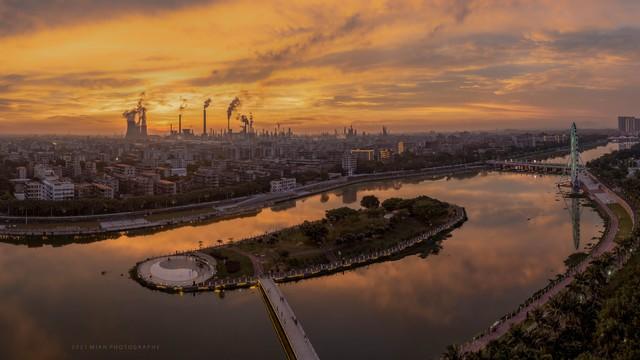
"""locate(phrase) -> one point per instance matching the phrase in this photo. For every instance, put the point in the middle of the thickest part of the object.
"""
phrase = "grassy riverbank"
(625, 227)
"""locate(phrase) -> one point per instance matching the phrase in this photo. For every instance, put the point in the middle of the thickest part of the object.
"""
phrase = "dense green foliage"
(339, 214)
(597, 317)
(370, 202)
(345, 232)
(316, 231)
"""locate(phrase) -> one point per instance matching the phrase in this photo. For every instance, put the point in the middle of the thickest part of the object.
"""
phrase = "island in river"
(344, 238)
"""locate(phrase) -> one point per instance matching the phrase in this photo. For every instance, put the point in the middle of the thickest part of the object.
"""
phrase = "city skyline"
(319, 66)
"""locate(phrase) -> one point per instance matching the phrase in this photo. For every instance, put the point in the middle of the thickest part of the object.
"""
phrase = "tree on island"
(315, 231)
(392, 204)
(339, 214)
(370, 202)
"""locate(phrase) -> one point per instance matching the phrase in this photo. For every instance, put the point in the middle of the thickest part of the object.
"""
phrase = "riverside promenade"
(294, 340)
(606, 245)
(457, 219)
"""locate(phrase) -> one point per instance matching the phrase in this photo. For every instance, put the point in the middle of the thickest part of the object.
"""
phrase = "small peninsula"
(344, 238)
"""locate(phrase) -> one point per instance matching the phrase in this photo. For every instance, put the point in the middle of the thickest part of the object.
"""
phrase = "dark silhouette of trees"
(316, 231)
(339, 214)
(370, 202)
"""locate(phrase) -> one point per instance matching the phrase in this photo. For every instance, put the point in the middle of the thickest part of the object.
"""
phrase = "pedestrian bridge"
(529, 166)
(292, 336)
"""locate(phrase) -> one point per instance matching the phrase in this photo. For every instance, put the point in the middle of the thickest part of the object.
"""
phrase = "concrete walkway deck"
(296, 339)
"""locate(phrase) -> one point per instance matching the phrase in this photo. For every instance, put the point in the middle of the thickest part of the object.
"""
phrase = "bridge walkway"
(294, 340)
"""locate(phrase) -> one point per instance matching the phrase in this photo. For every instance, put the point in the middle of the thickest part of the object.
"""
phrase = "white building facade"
(283, 185)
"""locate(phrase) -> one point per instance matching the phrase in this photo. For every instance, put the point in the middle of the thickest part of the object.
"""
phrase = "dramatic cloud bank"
(73, 66)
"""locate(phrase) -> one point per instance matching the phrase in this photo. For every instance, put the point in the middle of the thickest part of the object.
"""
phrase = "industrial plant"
(247, 128)
(136, 129)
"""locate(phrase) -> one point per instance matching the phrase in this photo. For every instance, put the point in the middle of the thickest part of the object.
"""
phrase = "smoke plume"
(207, 103)
(141, 100)
(233, 106)
(183, 105)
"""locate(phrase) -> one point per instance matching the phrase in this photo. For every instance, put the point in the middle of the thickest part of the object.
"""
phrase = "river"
(76, 301)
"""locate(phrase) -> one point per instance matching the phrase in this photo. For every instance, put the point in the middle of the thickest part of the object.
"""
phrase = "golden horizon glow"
(319, 65)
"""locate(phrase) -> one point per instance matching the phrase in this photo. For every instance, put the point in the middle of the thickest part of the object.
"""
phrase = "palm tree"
(452, 353)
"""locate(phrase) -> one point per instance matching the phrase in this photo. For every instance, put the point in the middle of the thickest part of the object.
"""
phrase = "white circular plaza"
(178, 270)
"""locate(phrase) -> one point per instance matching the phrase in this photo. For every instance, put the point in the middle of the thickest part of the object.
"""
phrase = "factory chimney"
(183, 105)
(142, 114)
(204, 116)
(143, 122)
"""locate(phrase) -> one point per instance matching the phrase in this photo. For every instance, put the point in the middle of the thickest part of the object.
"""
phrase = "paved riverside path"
(257, 264)
(604, 246)
(295, 335)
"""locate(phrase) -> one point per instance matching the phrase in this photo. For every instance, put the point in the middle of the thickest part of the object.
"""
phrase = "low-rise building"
(33, 190)
(104, 191)
(143, 186)
(283, 185)
(178, 172)
(22, 172)
(364, 154)
(125, 170)
(206, 177)
(165, 187)
(84, 191)
(57, 190)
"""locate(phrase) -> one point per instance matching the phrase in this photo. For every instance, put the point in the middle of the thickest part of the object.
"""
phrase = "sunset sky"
(74, 66)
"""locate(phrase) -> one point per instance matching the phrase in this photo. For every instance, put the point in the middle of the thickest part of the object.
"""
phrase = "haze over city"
(73, 68)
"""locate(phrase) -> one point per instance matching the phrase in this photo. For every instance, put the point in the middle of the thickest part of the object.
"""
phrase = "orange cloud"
(319, 64)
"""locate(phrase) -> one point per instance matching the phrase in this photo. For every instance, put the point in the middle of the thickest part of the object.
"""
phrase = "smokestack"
(142, 116)
(143, 122)
(183, 105)
(204, 122)
(204, 116)
(233, 106)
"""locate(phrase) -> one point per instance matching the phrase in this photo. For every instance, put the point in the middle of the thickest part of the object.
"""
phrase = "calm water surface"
(55, 303)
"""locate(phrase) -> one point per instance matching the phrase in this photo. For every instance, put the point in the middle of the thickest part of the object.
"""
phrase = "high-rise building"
(629, 124)
(349, 163)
